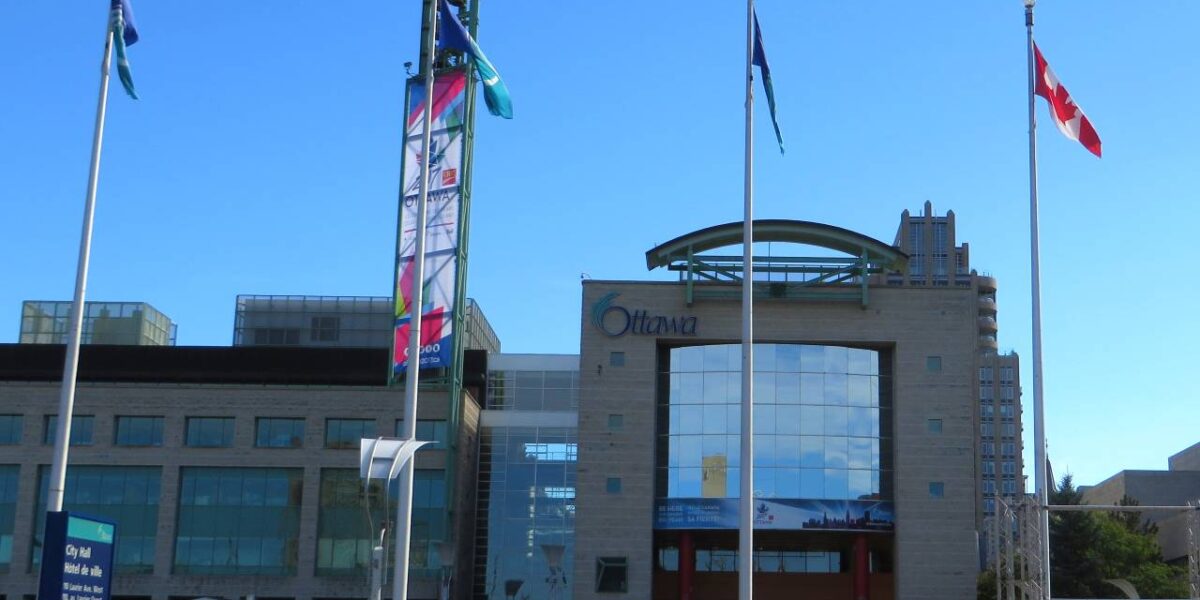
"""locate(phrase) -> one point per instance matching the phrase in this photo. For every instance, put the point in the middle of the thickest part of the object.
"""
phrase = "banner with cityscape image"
(776, 513)
(441, 219)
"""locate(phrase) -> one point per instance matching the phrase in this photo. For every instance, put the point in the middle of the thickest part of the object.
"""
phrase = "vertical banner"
(442, 221)
(77, 557)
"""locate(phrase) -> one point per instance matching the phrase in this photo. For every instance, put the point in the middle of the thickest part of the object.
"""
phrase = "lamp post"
(445, 550)
(557, 579)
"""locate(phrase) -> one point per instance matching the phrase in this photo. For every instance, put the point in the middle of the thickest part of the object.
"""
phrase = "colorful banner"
(776, 513)
(441, 221)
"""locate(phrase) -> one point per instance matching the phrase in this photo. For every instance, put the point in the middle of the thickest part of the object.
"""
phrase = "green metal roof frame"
(778, 230)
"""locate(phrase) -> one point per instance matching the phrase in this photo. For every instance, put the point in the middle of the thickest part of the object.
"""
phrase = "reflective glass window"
(81, 430)
(139, 431)
(210, 432)
(275, 432)
(347, 433)
(818, 422)
(127, 495)
(10, 430)
(8, 513)
(236, 520)
(428, 430)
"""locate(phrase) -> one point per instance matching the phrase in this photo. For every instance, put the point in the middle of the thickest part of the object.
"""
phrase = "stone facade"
(935, 550)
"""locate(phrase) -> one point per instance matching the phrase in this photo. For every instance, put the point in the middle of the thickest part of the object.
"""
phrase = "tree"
(1087, 548)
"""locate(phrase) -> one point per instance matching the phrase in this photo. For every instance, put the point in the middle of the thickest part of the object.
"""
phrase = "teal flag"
(124, 33)
(452, 35)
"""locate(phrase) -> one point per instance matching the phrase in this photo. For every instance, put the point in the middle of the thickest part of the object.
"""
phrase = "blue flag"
(453, 36)
(760, 59)
(124, 34)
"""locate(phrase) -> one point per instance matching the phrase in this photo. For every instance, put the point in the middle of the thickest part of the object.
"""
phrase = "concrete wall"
(245, 403)
(935, 545)
(1186, 460)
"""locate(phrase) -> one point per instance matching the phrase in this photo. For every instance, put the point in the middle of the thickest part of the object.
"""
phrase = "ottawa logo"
(615, 321)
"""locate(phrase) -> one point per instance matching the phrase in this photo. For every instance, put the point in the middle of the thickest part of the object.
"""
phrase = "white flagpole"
(413, 368)
(66, 401)
(746, 487)
(1041, 485)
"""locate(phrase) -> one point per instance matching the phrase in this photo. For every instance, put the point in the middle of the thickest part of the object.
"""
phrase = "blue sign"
(77, 558)
(776, 513)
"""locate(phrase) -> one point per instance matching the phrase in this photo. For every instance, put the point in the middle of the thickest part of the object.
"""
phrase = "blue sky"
(263, 158)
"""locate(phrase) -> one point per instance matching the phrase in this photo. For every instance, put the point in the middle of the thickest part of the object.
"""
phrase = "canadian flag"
(1067, 115)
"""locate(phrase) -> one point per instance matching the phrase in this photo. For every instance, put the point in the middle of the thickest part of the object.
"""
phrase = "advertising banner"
(776, 513)
(77, 557)
(441, 222)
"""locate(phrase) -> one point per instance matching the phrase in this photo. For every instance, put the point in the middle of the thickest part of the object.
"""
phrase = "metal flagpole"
(1039, 412)
(746, 487)
(413, 360)
(66, 401)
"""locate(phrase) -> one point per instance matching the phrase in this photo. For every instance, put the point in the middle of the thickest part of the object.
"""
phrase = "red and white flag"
(1067, 115)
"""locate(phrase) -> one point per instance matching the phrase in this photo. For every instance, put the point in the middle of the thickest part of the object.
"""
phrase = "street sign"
(77, 557)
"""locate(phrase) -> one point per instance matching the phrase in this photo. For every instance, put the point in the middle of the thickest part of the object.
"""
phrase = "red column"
(687, 565)
(862, 569)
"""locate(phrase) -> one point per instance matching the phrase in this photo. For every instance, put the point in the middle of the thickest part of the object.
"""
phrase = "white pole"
(66, 401)
(413, 369)
(1041, 485)
(746, 504)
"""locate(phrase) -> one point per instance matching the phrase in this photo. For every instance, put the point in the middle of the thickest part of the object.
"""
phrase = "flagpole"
(1039, 412)
(66, 401)
(413, 360)
(746, 487)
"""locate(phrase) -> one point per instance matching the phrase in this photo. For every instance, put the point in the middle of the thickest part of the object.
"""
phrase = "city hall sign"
(615, 320)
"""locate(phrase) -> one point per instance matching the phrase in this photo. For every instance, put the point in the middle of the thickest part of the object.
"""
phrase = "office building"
(867, 419)
(118, 323)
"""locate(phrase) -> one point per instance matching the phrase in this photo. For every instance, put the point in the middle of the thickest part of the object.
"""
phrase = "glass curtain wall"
(530, 508)
(126, 495)
(821, 430)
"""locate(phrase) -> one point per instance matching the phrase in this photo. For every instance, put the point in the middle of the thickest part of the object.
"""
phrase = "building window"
(1006, 393)
(1010, 487)
(209, 432)
(1009, 468)
(325, 329)
(128, 495)
(81, 430)
(1006, 411)
(989, 467)
(8, 513)
(274, 432)
(987, 410)
(616, 422)
(934, 425)
(989, 487)
(10, 430)
(985, 429)
(612, 574)
(139, 431)
(933, 363)
(1010, 429)
(1008, 449)
(613, 485)
(986, 393)
(348, 433)
(616, 359)
(985, 375)
(937, 489)
(1006, 375)
(276, 336)
(235, 521)
(989, 505)
(428, 430)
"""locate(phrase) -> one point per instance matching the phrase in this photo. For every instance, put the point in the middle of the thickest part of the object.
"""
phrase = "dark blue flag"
(452, 35)
(760, 59)
(124, 33)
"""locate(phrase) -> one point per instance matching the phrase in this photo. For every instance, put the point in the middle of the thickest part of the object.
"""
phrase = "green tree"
(1086, 548)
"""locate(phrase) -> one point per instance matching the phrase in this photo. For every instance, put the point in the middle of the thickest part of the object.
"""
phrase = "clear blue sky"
(263, 158)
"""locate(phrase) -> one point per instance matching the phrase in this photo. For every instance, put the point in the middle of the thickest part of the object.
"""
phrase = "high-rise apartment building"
(935, 260)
